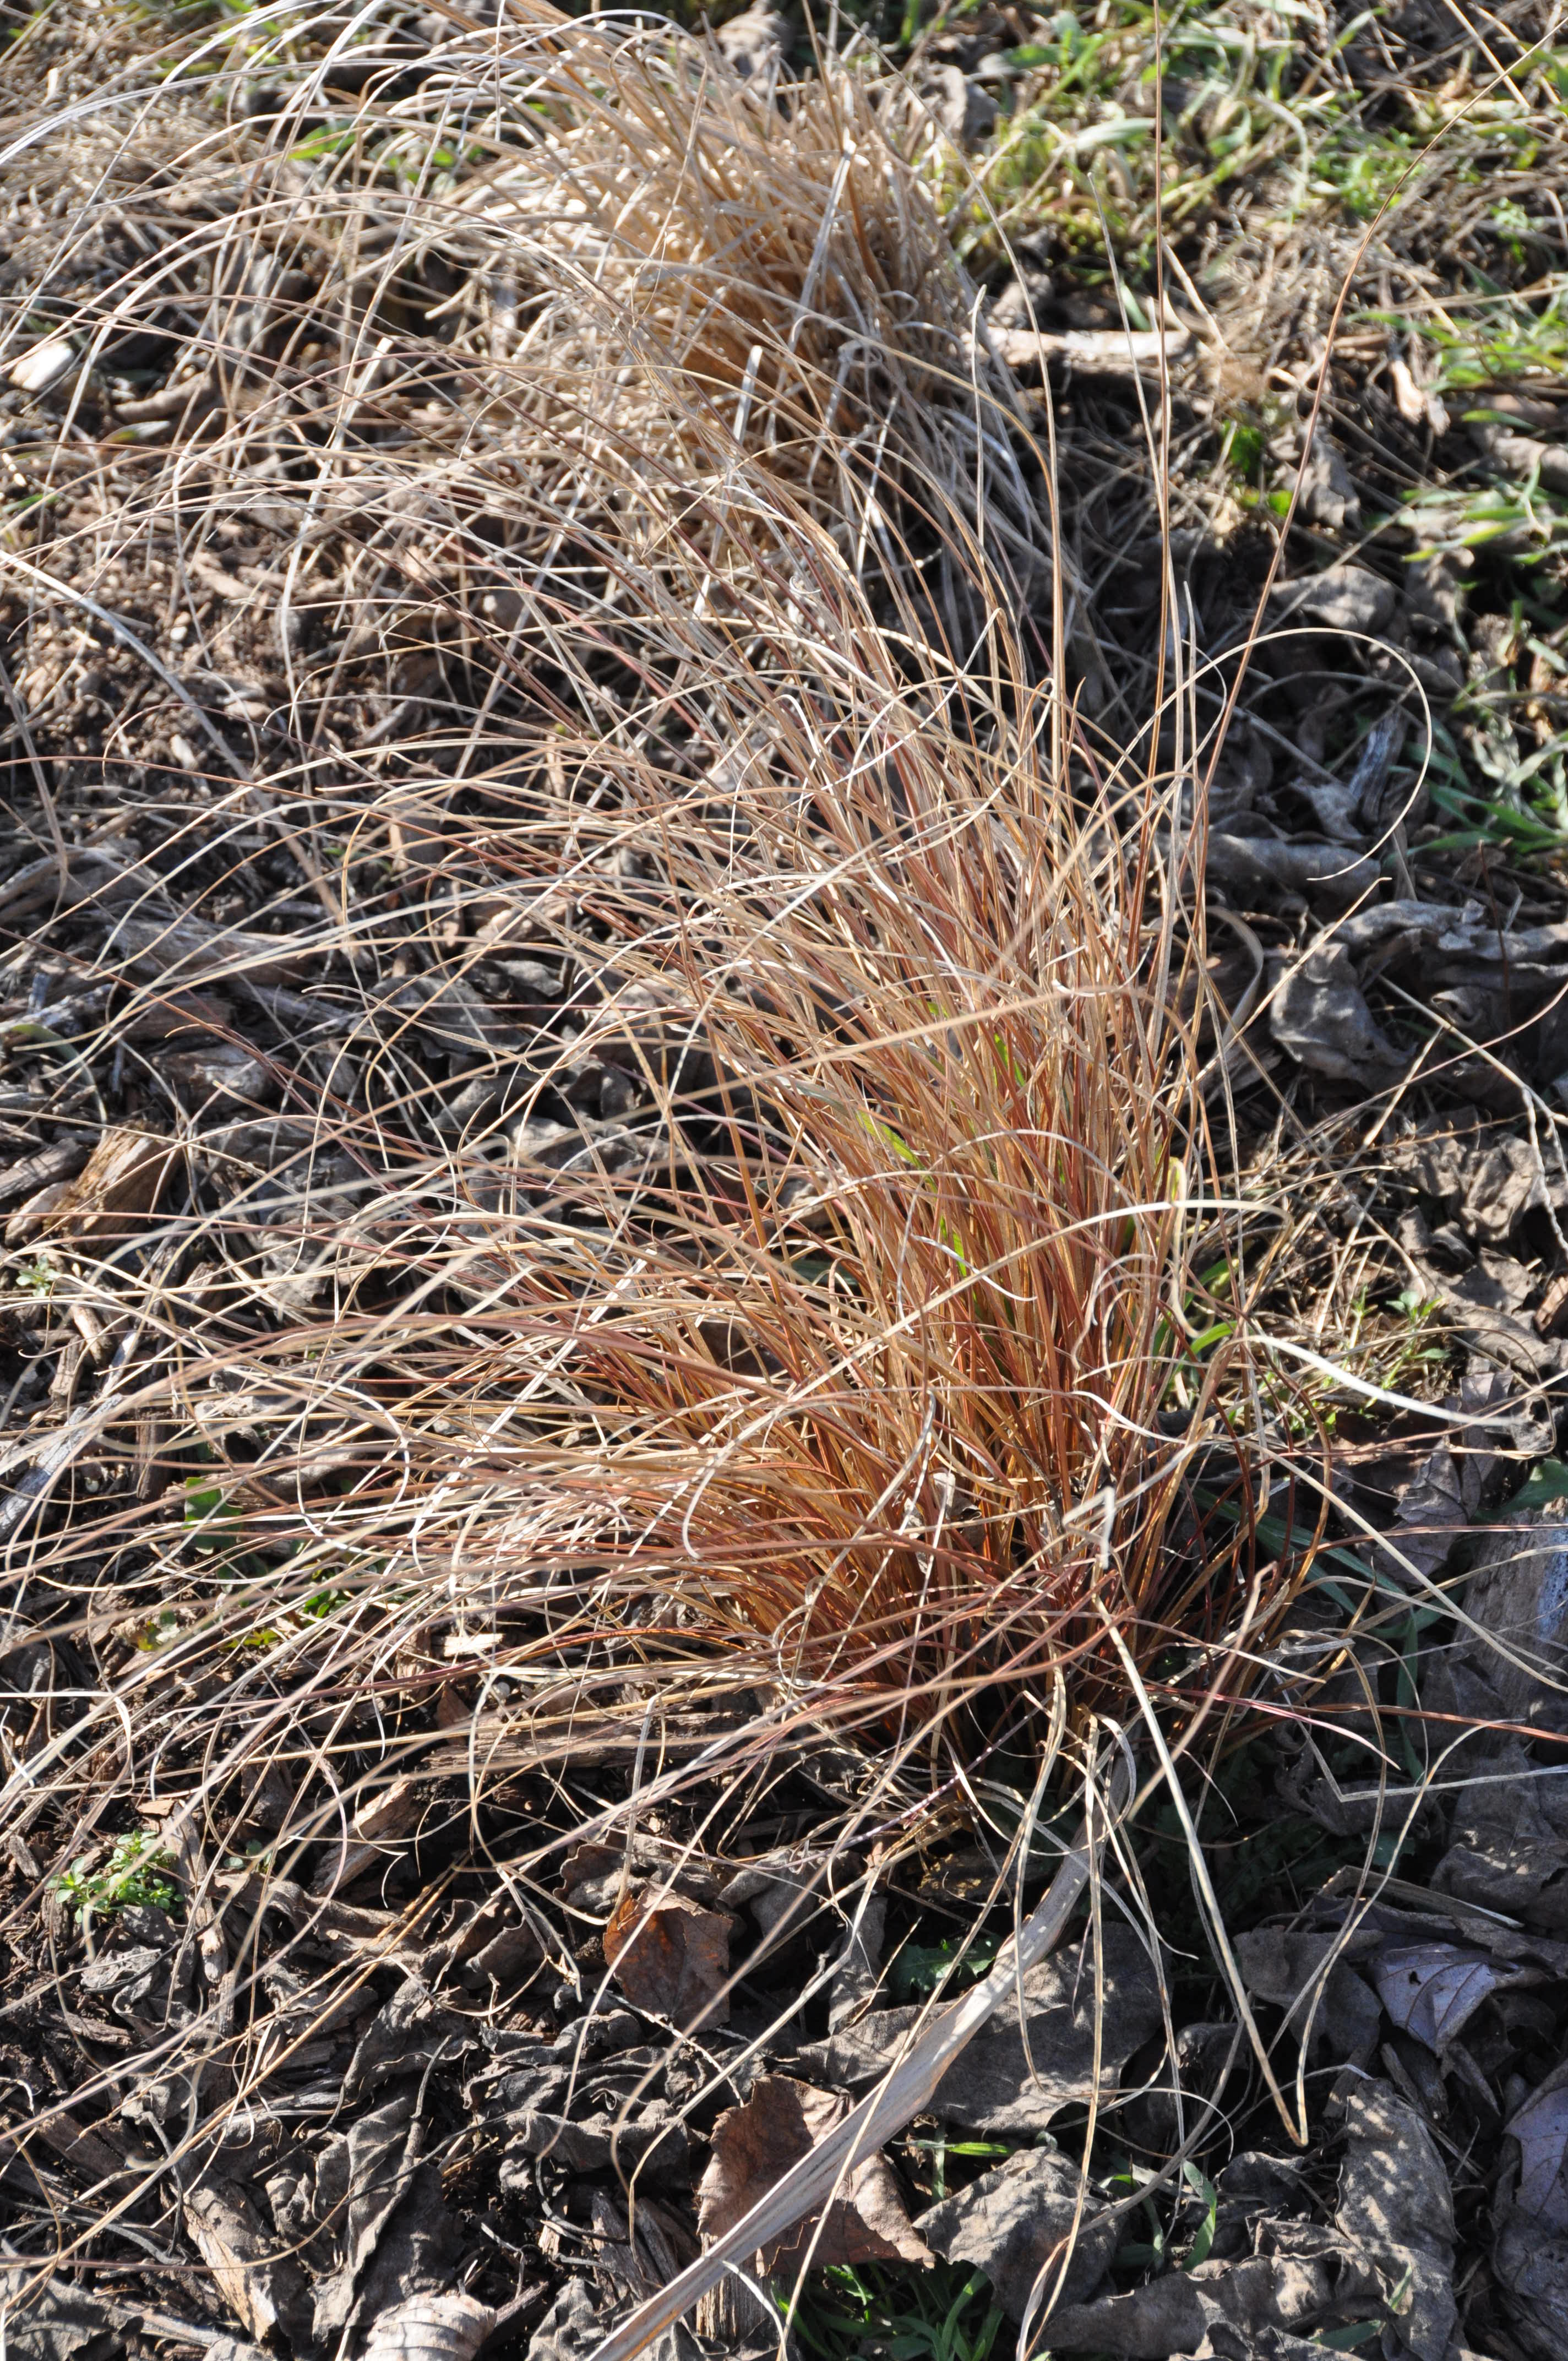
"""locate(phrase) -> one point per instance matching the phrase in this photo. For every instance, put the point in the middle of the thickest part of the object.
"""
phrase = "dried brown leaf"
(1001, 2085)
(431, 2328)
(671, 1956)
(755, 2144)
(1017, 2221)
(1396, 2210)
(1342, 598)
(264, 2289)
(1529, 2255)
(1320, 1015)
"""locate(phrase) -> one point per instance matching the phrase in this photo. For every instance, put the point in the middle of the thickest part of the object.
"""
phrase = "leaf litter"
(358, 2056)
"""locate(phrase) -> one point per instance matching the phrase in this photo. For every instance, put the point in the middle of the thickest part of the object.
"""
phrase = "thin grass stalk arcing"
(706, 1266)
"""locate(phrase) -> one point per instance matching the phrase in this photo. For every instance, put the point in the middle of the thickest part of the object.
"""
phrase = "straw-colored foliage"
(622, 443)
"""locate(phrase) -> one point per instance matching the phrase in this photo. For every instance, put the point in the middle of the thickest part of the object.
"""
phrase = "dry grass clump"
(728, 1238)
(862, 1351)
(782, 273)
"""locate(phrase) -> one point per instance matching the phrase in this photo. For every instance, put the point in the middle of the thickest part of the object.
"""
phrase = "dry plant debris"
(782, 1014)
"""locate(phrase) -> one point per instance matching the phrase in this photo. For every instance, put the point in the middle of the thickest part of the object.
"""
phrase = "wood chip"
(89, 870)
(1099, 352)
(171, 1013)
(215, 952)
(50, 1165)
(376, 1824)
(117, 1192)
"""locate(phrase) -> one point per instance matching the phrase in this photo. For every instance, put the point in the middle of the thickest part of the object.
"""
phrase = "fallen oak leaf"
(450, 2327)
(568, 2329)
(594, 1876)
(1540, 2127)
(1516, 1610)
(490, 1946)
(1509, 1842)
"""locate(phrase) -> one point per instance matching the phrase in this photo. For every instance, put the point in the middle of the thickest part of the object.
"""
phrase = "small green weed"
(322, 1603)
(1419, 1349)
(1160, 2251)
(944, 2314)
(1504, 338)
(330, 139)
(215, 1529)
(921, 1967)
(1242, 448)
(158, 1630)
(132, 1877)
(942, 2148)
(219, 1531)
(1525, 812)
(203, 1502)
(1525, 521)
(1363, 170)
(1548, 1483)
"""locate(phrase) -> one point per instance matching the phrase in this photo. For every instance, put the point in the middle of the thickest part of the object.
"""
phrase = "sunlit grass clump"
(851, 1373)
